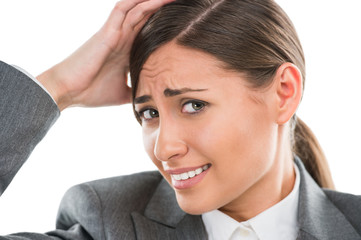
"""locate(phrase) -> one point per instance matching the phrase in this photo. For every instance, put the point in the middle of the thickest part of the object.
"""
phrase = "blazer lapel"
(317, 216)
(164, 219)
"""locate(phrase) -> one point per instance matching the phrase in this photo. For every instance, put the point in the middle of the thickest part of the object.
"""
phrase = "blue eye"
(193, 106)
(148, 114)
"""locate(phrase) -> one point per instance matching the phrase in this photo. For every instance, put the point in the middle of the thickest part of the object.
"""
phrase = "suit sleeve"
(26, 114)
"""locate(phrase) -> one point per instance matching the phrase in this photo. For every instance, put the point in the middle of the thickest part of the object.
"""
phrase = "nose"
(169, 143)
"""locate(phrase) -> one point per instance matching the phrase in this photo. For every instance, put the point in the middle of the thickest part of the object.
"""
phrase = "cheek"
(237, 139)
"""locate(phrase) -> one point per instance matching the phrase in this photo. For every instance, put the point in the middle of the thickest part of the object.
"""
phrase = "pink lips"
(187, 183)
(182, 170)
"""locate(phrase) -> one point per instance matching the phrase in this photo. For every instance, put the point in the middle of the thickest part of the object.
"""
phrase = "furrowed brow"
(174, 92)
(168, 93)
(142, 99)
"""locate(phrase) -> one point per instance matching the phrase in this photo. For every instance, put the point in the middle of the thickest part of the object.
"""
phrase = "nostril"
(170, 151)
(174, 156)
(169, 145)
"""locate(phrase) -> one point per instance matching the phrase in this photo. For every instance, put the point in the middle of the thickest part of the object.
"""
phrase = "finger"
(135, 31)
(120, 11)
(142, 11)
(139, 26)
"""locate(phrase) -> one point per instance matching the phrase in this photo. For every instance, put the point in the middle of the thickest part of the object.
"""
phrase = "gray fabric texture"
(26, 114)
(138, 206)
(146, 207)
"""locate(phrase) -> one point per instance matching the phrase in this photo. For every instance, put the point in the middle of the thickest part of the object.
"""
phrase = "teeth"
(199, 170)
(184, 176)
(177, 177)
(190, 174)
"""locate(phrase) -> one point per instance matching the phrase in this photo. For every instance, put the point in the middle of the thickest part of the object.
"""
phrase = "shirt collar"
(219, 225)
(277, 222)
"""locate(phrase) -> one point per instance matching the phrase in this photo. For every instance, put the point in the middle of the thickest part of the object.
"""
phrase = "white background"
(87, 144)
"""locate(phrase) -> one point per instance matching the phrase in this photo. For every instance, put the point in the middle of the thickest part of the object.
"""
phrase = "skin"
(96, 74)
(242, 132)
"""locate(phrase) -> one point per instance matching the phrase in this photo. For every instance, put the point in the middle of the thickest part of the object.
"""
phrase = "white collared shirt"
(276, 223)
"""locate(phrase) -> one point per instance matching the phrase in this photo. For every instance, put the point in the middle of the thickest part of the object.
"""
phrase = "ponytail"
(309, 150)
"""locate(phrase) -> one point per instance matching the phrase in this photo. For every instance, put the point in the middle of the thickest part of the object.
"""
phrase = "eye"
(193, 106)
(148, 114)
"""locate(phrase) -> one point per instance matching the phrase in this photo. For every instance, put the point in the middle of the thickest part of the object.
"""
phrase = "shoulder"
(4, 68)
(104, 206)
(348, 204)
(132, 185)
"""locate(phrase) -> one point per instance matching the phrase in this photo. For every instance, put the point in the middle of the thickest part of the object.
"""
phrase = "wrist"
(50, 81)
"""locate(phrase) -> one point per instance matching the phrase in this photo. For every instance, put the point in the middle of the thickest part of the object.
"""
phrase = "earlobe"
(289, 91)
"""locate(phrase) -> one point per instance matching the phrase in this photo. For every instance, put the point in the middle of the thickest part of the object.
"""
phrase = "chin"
(194, 207)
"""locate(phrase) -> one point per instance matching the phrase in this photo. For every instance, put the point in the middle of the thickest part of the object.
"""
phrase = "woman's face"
(212, 137)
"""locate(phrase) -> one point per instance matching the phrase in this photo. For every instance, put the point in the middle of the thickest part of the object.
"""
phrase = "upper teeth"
(190, 174)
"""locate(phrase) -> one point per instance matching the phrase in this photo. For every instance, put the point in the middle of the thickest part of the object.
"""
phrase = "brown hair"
(254, 37)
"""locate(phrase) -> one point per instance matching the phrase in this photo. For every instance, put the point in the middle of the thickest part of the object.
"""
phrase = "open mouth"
(190, 174)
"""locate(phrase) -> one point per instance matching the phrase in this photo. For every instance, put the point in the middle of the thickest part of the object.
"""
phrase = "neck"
(273, 186)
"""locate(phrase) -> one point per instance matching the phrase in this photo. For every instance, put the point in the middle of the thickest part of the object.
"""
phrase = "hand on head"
(96, 74)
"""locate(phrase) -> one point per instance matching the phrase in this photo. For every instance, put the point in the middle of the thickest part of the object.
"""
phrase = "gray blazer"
(139, 206)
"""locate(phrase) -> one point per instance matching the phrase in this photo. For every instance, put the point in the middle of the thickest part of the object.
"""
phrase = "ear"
(289, 88)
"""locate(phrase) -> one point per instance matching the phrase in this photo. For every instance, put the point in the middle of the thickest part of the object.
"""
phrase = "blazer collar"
(318, 217)
(164, 219)
(163, 206)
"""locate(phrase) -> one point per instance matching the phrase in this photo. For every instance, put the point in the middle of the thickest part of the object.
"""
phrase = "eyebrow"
(142, 99)
(168, 93)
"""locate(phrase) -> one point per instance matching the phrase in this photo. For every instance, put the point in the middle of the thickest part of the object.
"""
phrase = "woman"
(216, 95)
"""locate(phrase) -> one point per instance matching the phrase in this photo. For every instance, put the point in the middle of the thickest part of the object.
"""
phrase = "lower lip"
(190, 182)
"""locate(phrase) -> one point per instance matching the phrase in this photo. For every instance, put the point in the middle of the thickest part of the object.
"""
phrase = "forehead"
(174, 66)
